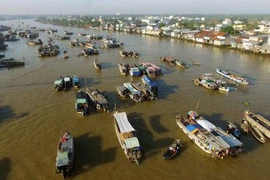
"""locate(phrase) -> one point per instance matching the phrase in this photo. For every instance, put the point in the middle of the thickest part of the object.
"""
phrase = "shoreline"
(181, 39)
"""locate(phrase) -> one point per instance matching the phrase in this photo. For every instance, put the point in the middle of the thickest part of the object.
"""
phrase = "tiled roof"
(210, 34)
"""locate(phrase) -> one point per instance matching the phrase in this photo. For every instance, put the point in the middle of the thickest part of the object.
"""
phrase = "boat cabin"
(81, 103)
(75, 81)
(59, 84)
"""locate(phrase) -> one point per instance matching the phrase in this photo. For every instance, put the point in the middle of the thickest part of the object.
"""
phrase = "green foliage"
(161, 25)
(228, 29)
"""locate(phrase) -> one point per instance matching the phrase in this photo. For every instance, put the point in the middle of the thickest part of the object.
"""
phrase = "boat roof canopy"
(57, 82)
(123, 123)
(206, 124)
(192, 128)
(75, 79)
(62, 158)
(132, 143)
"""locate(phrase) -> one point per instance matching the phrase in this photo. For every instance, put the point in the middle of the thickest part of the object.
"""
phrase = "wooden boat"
(181, 63)
(98, 99)
(148, 93)
(173, 149)
(127, 137)
(232, 129)
(151, 69)
(257, 133)
(168, 59)
(201, 137)
(31, 43)
(81, 103)
(233, 77)
(231, 144)
(123, 68)
(12, 62)
(67, 83)
(206, 82)
(195, 63)
(122, 91)
(256, 120)
(128, 53)
(150, 83)
(97, 64)
(65, 56)
(244, 127)
(134, 94)
(59, 84)
(75, 81)
(134, 71)
(65, 155)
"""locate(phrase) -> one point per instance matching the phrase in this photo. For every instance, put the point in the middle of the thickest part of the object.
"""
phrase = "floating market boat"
(127, 137)
(65, 154)
(233, 77)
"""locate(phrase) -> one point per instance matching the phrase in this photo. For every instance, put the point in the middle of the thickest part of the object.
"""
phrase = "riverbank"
(241, 47)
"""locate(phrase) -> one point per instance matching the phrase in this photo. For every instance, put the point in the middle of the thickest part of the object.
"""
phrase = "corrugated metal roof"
(123, 123)
(132, 143)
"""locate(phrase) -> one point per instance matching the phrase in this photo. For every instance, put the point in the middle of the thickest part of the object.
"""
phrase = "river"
(33, 115)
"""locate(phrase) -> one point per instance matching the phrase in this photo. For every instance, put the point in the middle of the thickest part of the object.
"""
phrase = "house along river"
(33, 115)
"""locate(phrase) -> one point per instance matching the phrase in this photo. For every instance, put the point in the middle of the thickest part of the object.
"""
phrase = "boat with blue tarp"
(152, 84)
(201, 137)
(75, 81)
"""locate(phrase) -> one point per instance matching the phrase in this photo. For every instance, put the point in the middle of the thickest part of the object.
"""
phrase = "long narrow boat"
(97, 98)
(201, 137)
(233, 77)
(65, 154)
(150, 83)
(134, 94)
(12, 62)
(220, 84)
(81, 103)
(148, 93)
(127, 137)
(257, 133)
(97, 64)
(256, 120)
(206, 82)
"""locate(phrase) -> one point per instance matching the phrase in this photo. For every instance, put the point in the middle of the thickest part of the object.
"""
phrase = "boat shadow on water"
(7, 113)
(150, 147)
(5, 168)
(165, 90)
(249, 142)
(89, 154)
(156, 125)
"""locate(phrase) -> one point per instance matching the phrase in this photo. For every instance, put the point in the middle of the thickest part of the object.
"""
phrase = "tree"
(228, 29)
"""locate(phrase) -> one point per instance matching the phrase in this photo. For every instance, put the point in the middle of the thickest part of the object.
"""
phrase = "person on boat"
(172, 149)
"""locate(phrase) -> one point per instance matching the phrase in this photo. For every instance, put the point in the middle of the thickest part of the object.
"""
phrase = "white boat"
(228, 141)
(201, 137)
(127, 137)
(233, 77)
(134, 94)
